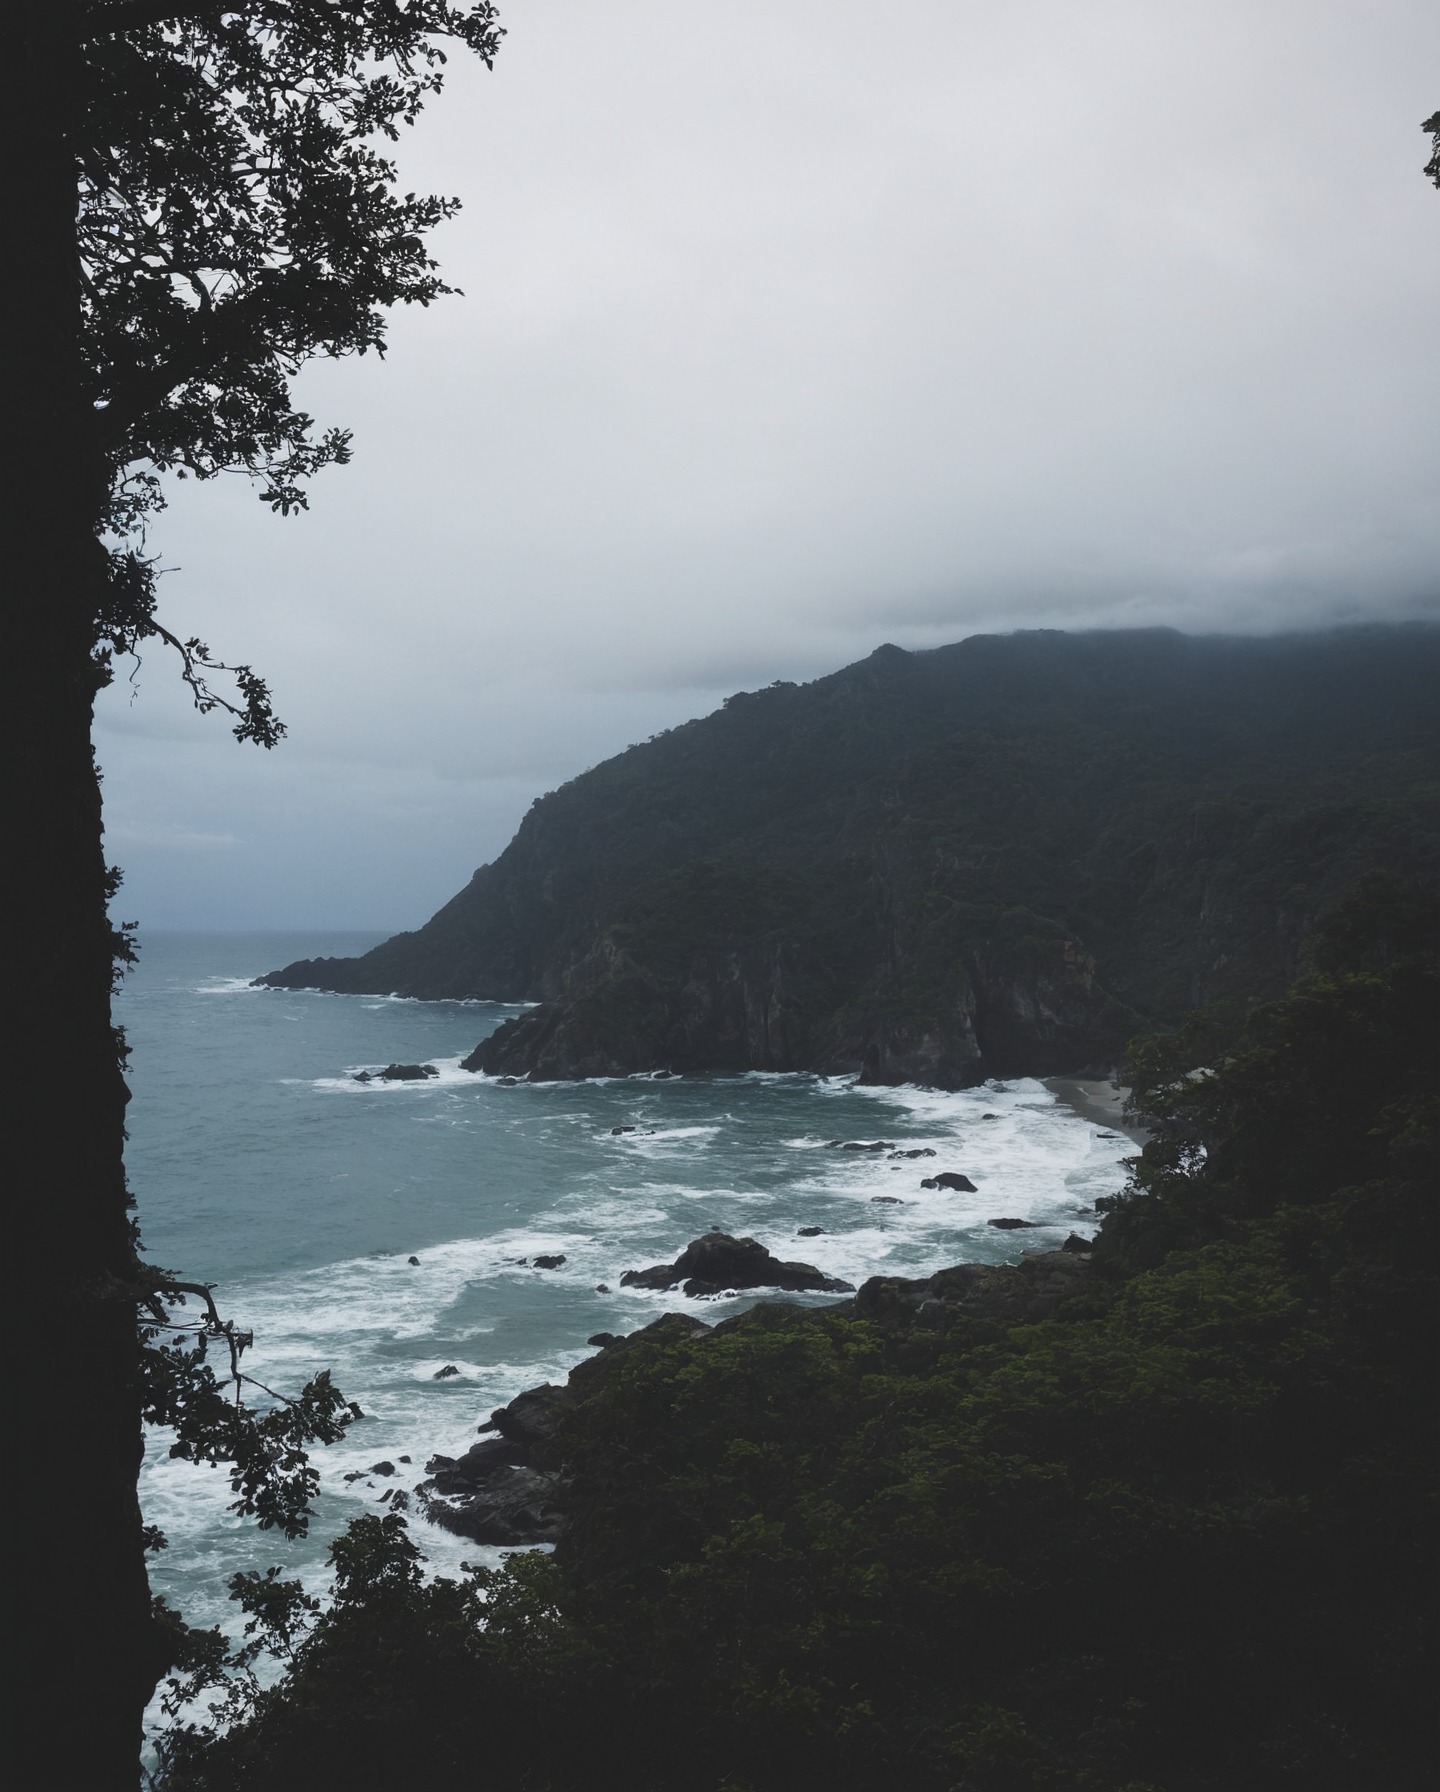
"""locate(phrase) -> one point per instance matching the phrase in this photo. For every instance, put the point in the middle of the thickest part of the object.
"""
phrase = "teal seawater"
(260, 1165)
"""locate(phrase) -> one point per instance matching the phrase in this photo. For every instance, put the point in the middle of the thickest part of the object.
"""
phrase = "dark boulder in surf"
(513, 1505)
(717, 1262)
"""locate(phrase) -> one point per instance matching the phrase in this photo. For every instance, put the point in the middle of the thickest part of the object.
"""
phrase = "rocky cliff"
(997, 858)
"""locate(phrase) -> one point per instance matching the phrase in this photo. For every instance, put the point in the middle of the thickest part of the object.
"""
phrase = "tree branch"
(215, 1327)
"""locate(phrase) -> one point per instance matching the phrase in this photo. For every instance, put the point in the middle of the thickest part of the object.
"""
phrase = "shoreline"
(1094, 1099)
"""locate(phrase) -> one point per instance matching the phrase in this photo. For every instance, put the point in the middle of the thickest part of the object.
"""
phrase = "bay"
(260, 1164)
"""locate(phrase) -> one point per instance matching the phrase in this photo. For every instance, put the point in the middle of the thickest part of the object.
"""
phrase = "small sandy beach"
(1096, 1100)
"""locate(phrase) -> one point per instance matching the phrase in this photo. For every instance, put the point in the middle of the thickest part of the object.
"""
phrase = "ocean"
(260, 1165)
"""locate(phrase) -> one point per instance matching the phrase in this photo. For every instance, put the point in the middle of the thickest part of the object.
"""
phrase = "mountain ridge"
(1002, 856)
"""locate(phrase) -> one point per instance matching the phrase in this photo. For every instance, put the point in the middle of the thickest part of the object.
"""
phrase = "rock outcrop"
(506, 1488)
(718, 1263)
(510, 1487)
(398, 1073)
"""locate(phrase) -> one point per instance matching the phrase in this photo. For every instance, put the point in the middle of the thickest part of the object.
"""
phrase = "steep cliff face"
(1002, 1012)
(998, 858)
(729, 1010)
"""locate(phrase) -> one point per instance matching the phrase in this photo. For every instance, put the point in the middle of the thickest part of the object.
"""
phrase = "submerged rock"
(1013, 1225)
(717, 1262)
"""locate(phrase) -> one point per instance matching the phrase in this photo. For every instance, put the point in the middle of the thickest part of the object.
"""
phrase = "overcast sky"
(792, 327)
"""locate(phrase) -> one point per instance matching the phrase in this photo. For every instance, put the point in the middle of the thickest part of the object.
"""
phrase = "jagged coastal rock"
(1002, 857)
(719, 1264)
(398, 1073)
(506, 1488)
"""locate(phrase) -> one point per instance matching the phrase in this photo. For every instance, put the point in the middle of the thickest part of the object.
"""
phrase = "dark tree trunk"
(83, 1658)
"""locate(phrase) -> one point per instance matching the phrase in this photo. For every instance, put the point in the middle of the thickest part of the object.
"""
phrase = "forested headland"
(1176, 1535)
(1003, 857)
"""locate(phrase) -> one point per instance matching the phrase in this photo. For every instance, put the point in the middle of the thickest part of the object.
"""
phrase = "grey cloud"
(793, 329)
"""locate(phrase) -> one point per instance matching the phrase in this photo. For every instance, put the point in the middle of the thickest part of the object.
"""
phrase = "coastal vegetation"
(1174, 1534)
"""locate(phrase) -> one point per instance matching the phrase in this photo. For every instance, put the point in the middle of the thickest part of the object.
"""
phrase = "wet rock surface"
(506, 1488)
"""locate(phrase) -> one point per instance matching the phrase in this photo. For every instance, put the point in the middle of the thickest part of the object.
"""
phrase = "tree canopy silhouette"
(206, 203)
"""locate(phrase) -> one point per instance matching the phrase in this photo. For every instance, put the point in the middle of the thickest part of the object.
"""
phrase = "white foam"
(449, 1075)
(385, 1326)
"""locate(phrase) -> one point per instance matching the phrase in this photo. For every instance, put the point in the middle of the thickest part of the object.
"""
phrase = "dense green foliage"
(1002, 857)
(1179, 1537)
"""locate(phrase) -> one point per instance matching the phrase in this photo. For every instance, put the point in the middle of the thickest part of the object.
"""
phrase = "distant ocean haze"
(261, 1165)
